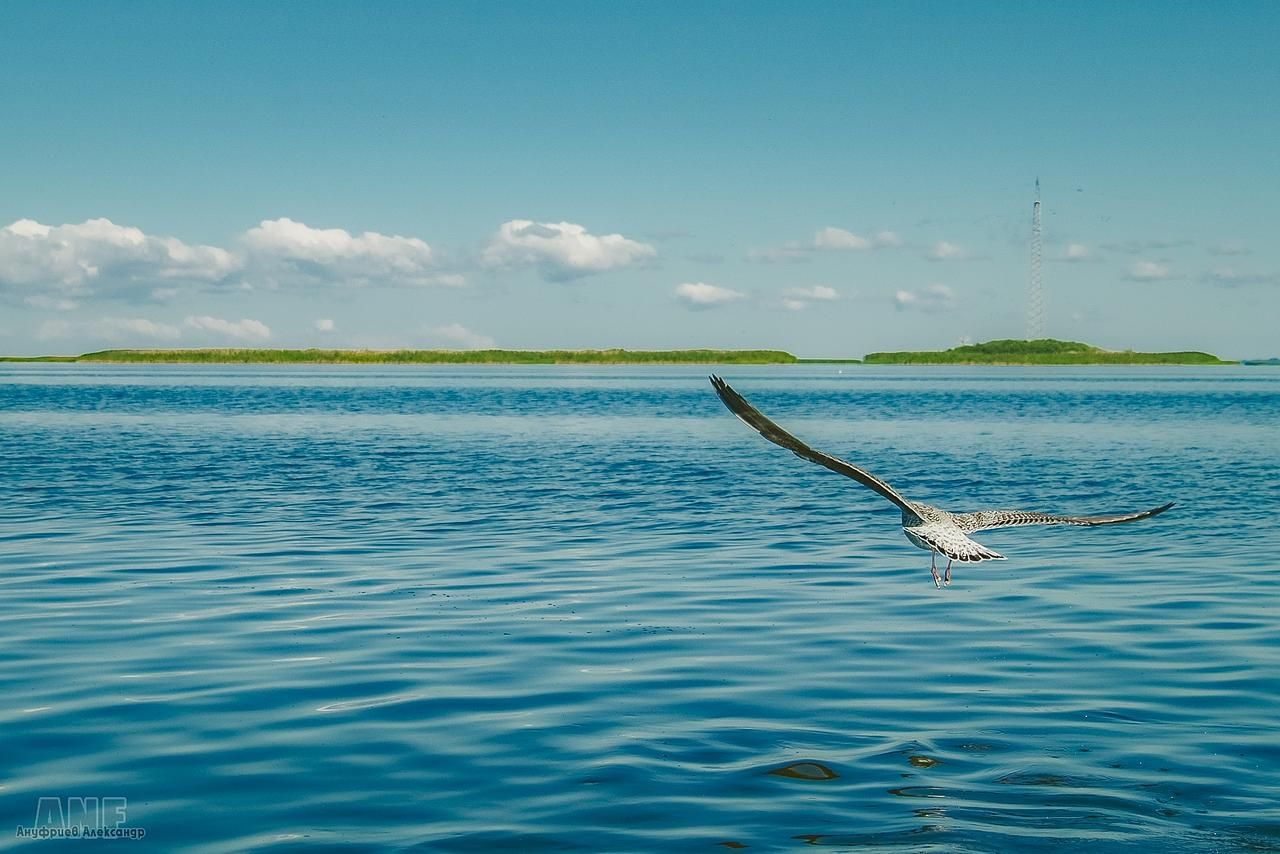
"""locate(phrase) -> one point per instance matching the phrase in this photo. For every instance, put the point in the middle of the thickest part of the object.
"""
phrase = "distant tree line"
(1044, 351)
(463, 357)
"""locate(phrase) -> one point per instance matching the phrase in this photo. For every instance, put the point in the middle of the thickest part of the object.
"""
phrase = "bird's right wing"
(753, 418)
(985, 520)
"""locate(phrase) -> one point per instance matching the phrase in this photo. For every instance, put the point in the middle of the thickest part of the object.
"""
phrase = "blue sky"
(825, 178)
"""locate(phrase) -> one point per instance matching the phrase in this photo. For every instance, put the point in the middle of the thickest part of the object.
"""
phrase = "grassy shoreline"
(447, 357)
(1046, 351)
(1004, 352)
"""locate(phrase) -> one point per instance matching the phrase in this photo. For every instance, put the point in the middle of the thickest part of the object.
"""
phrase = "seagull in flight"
(938, 531)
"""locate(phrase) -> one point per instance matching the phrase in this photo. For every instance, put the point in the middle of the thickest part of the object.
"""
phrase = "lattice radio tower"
(1035, 296)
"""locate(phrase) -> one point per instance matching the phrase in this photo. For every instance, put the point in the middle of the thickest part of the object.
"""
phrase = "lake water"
(586, 609)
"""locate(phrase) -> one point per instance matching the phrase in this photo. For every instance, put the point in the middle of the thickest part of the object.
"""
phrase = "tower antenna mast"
(1035, 296)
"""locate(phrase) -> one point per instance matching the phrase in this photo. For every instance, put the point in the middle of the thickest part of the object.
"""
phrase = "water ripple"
(584, 609)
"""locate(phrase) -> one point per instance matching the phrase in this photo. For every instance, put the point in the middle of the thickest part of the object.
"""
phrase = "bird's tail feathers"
(978, 554)
(961, 548)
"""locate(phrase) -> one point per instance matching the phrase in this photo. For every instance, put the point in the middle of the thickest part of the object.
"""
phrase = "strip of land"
(460, 357)
(1045, 351)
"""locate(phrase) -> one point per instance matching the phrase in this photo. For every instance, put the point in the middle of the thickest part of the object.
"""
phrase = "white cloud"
(838, 238)
(457, 336)
(324, 324)
(121, 327)
(829, 239)
(99, 257)
(127, 330)
(245, 329)
(817, 292)
(111, 329)
(287, 252)
(933, 298)
(797, 299)
(1076, 252)
(702, 295)
(51, 303)
(562, 250)
(1147, 271)
(945, 251)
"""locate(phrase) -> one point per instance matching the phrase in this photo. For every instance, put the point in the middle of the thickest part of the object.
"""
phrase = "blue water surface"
(585, 609)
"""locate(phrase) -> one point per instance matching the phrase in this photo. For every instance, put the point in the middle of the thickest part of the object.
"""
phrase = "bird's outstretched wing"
(754, 419)
(985, 520)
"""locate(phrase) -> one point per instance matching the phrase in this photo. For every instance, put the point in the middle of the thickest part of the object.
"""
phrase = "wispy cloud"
(790, 253)
(817, 292)
(457, 336)
(242, 329)
(933, 298)
(703, 295)
(838, 239)
(1076, 253)
(946, 251)
(110, 329)
(1134, 247)
(1231, 277)
(828, 239)
(798, 299)
(142, 330)
(1229, 247)
(49, 303)
(1148, 271)
(324, 324)
(562, 250)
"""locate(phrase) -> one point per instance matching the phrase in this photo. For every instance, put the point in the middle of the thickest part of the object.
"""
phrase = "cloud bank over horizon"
(99, 283)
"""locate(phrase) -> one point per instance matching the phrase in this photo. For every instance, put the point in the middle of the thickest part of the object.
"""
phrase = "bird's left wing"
(756, 420)
(985, 520)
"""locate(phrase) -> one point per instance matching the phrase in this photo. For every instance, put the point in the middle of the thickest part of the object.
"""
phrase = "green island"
(1044, 351)
(448, 357)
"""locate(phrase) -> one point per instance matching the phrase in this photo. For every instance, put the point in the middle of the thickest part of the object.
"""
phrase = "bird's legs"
(933, 568)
